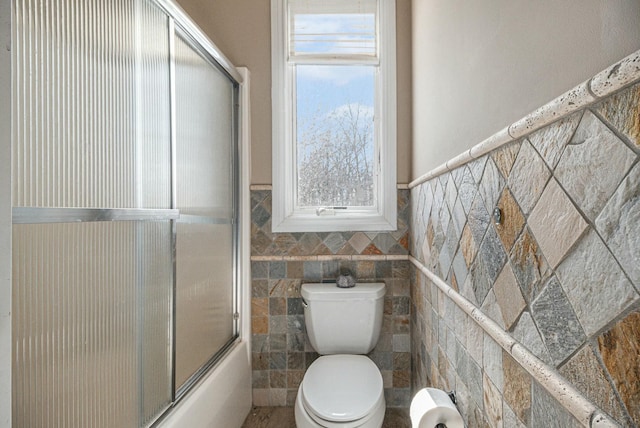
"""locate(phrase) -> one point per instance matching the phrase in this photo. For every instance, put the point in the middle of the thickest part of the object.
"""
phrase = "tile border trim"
(565, 393)
(334, 257)
(616, 77)
(254, 187)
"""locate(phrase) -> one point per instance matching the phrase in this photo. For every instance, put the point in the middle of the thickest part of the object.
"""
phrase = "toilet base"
(304, 420)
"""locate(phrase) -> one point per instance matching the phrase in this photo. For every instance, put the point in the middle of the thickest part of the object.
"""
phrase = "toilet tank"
(343, 320)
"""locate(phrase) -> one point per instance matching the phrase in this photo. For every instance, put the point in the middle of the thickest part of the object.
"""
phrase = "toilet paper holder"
(452, 396)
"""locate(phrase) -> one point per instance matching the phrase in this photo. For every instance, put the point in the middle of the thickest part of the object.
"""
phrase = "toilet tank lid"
(362, 290)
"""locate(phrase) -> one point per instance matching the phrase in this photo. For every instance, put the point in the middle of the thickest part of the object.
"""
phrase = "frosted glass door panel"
(204, 295)
(204, 128)
(86, 298)
(91, 105)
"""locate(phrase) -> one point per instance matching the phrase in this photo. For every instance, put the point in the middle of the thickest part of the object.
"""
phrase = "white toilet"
(342, 388)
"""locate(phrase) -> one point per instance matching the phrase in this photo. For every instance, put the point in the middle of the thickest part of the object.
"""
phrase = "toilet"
(343, 387)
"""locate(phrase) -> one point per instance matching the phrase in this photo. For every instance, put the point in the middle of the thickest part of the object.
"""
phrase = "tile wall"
(282, 262)
(560, 272)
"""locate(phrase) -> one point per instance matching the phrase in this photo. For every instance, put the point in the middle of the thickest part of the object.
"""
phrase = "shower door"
(124, 211)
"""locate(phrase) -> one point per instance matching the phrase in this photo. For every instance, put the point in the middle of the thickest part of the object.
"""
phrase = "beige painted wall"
(479, 66)
(241, 29)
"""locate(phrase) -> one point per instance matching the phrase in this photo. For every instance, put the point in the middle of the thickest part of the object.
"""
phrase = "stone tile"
(547, 412)
(555, 223)
(618, 225)
(401, 343)
(508, 296)
(505, 156)
(620, 350)
(491, 185)
(492, 254)
(282, 244)
(479, 282)
(528, 264)
(622, 111)
(259, 325)
(460, 267)
(477, 168)
(492, 403)
(512, 219)
(556, 321)
(307, 244)
(585, 372)
(474, 382)
(451, 193)
(259, 216)
(491, 309)
(526, 333)
(510, 418)
(334, 242)
(528, 177)
(445, 218)
(593, 164)
(259, 306)
(467, 190)
(517, 388)
(595, 285)
(550, 141)
(475, 340)
(459, 218)
(478, 219)
(277, 306)
(492, 358)
(384, 242)
(359, 241)
(468, 246)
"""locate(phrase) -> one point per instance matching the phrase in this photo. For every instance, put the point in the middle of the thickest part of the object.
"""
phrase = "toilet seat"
(338, 389)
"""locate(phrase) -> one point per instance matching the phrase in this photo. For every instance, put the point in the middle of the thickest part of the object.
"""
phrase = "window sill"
(334, 223)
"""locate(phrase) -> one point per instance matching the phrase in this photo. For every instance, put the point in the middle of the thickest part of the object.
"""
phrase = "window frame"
(286, 216)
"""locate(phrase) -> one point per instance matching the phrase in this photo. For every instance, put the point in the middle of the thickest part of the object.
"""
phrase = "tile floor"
(282, 417)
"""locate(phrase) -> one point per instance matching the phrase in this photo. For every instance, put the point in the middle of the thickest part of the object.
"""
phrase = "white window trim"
(284, 216)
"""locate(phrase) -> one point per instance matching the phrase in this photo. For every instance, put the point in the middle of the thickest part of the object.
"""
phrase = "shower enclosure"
(124, 210)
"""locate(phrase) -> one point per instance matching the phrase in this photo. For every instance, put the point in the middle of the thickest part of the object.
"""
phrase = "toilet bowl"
(343, 388)
(343, 391)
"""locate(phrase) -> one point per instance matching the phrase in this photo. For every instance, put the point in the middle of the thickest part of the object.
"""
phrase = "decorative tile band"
(329, 258)
(603, 84)
(565, 393)
(401, 186)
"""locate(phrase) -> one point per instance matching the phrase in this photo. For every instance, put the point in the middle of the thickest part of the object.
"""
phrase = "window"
(334, 115)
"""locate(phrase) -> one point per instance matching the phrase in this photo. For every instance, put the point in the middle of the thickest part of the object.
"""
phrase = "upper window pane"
(335, 136)
(344, 28)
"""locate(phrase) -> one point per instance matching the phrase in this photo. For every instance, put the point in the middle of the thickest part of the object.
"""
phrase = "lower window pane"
(335, 135)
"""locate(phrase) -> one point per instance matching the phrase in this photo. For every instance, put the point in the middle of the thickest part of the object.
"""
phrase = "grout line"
(564, 392)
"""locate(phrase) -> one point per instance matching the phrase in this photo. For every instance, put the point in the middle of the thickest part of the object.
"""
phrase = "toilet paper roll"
(431, 407)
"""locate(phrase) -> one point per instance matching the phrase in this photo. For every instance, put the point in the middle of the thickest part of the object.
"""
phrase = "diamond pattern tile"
(512, 219)
(555, 223)
(551, 140)
(595, 285)
(491, 185)
(619, 223)
(593, 164)
(562, 268)
(528, 177)
(266, 243)
(622, 111)
(505, 156)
